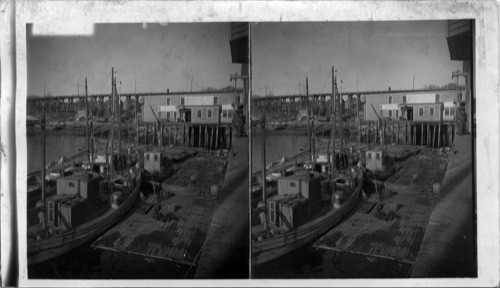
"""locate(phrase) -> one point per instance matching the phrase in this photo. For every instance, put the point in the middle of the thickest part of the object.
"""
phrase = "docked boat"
(74, 219)
(309, 203)
(288, 229)
(89, 199)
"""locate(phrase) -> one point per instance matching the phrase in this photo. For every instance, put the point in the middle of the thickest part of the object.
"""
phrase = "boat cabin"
(65, 211)
(155, 161)
(86, 185)
(299, 196)
(376, 160)
(76, 196)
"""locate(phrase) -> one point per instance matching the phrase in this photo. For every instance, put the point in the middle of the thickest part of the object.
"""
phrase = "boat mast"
(43, 158)
(340, 114)
(87, 134)
(110, 175)
(334, 116)
(309, 132)
(136, 119)
(118, 103)
(264, 191)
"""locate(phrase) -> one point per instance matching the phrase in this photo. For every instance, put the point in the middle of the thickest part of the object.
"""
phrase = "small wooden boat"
(45, 245)
(267, 249)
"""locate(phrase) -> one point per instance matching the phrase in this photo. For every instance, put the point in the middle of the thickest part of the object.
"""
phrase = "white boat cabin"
(376, 160)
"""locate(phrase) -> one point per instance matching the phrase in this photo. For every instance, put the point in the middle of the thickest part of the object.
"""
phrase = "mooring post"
(217, 137)
(439, 135)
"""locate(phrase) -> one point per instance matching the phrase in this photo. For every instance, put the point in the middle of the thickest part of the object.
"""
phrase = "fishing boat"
(87, 202)
(279, 239)
(309, 202)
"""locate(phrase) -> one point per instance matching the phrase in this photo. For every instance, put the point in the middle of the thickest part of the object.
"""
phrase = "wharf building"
(195, 108)
(414, 105)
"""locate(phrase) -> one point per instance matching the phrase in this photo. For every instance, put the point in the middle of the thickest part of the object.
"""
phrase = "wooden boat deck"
(397, 239)
(430, 167)
(179, 240)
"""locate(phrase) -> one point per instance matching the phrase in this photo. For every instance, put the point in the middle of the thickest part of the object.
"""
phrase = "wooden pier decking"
(428, 165)
(179, 240)
(397, 239)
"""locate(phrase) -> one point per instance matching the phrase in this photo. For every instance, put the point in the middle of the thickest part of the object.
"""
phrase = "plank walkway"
(363, 233)
(179, 240)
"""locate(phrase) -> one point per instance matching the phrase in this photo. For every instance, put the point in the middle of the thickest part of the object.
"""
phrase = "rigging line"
(326, 81)
(105, 82)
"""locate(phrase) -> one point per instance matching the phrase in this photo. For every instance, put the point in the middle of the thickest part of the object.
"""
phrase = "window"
(216, 100)
(229, 113)
(397, 113)
(156, 157)
(390, 99)
(421, 111)
(446, 111)
(168, 101)
(198, 113)
(438, 98)
(183, 101)
(71, 184)
(378, 156)
(175, 115)
(292, 184)
(452, 111)
(147, 156)
(390, 113)
(168, 114)
(431, 111)
(209, 113)
(224, 113)
(369, 155)
(404, 98)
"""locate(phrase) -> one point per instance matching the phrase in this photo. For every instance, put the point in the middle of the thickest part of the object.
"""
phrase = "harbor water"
(277, 147)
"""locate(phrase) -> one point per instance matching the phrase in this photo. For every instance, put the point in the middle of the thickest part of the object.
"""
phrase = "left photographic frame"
(137, 153)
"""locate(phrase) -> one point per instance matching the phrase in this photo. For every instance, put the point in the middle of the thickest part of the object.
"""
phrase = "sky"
(158, 57)
(379, 54)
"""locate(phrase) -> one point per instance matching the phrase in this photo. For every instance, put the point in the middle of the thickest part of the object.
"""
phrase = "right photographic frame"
(363, 150)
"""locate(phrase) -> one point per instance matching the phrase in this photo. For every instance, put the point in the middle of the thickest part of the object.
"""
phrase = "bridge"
(67, 103)
(295, 102)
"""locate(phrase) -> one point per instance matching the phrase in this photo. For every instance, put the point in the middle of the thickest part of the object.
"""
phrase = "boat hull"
(48, 248)
(269, 249)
